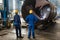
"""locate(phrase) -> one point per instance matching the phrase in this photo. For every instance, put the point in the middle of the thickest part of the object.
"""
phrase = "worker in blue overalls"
(31, 20)
(17, 23)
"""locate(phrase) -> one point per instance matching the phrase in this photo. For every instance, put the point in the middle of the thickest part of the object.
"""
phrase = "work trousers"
(18, 31)
(31, 29)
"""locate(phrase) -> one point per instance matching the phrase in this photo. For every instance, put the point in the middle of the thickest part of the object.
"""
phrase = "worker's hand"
(27, 24)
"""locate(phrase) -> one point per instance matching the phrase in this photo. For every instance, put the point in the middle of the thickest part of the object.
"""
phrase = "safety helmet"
(15, 11)
(31, 11)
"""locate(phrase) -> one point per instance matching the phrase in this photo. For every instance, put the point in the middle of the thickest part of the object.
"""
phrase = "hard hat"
(15, 11)
(30, 11)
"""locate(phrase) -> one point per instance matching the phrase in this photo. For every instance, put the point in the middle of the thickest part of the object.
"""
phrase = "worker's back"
(16, 20)
(31, 19)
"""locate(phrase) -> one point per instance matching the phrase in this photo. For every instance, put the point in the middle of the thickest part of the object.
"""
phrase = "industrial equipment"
(3, 12)
(45, 11)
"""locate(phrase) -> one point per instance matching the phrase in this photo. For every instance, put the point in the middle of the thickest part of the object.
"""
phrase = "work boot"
(17, 37)
(28, 37)
(20, 37)
(33, 37)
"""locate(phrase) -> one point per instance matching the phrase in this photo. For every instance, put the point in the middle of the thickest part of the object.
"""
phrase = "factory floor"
(52, 32)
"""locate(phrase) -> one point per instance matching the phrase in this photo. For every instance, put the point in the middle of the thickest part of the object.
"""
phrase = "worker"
(31, 20)
(17, 23)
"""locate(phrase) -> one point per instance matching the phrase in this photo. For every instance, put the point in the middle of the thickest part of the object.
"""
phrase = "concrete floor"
(52, 32)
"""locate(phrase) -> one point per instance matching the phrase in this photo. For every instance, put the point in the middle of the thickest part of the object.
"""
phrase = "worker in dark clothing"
(31, 20)
(17, 23)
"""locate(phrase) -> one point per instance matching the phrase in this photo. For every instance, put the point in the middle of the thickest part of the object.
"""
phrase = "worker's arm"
(35, 19)
(27, 19)
(19, 20)
(14, 21)
(14, 18)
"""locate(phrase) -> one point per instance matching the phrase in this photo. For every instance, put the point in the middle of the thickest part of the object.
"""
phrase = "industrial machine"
(3, 12)
(44, 10)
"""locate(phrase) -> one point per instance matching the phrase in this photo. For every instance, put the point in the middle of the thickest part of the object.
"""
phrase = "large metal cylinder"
(44, 10)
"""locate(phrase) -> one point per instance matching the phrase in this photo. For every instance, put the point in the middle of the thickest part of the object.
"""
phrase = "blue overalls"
(31, 20)
(17, 23)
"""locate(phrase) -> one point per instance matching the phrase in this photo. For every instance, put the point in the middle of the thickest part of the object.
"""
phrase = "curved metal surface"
(44, 12)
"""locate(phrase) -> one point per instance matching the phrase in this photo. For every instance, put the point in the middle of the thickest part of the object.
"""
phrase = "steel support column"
(5, 12)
